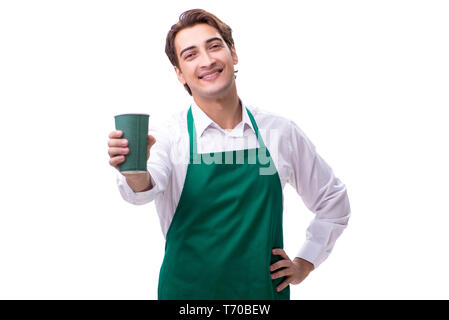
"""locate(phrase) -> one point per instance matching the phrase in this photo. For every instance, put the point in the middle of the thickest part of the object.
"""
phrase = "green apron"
(228, 220)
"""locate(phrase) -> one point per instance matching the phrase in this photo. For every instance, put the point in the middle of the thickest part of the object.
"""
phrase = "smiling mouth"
(211, 75)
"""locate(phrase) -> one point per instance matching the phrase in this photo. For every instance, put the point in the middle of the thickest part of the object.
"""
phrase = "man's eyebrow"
(186, 49)
(207, 41)
(213, 39)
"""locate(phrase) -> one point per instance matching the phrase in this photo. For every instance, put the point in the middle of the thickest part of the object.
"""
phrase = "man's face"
(206, 64)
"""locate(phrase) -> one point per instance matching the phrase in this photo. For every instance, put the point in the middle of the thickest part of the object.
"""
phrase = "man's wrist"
(139, 182)
(304, 263)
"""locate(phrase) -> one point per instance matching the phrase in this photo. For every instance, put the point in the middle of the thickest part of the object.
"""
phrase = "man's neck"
(226, 111)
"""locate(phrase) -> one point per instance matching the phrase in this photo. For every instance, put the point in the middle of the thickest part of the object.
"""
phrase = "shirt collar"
(203, 122)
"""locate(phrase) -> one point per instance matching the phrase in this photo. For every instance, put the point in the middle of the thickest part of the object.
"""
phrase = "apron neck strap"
(192, 134)
(256, 129)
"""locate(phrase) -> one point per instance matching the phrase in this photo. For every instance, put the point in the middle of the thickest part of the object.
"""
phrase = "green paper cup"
(135, 129)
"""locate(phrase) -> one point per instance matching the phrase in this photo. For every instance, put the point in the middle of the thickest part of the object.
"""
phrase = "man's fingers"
(280, 264)
(117, 148)
(115, 134)
(117, 151)
(115, 161)
(280, 252)
(282, 273)
(283, 285)
(117, 143)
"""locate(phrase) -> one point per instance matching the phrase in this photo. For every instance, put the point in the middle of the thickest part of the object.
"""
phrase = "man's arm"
(322, 193)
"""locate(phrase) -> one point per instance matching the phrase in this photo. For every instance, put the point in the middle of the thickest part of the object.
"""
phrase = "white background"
(367, 81)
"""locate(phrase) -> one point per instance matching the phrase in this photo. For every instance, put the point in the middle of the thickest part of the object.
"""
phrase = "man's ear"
(180, 76)
(234, 55)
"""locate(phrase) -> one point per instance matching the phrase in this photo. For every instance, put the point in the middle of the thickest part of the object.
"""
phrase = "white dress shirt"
(294, 158)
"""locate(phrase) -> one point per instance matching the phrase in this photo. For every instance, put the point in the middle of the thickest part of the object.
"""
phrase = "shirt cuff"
(137, 198)
(312, 252)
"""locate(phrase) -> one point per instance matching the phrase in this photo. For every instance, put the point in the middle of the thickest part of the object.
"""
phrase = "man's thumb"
(151, 142)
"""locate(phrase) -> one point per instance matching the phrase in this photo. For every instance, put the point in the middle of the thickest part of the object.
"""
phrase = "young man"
(217, 175)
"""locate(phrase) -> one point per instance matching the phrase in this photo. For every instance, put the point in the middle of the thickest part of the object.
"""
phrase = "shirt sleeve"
(322, 193)
(159, 166)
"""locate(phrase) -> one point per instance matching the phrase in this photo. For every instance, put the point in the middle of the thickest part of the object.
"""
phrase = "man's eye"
(216, 46)
(188, 56)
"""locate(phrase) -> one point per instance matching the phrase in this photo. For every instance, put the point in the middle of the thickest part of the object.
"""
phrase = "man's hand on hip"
(295, 271)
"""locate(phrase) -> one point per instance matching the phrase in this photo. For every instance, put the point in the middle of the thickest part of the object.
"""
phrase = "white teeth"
(211, 75)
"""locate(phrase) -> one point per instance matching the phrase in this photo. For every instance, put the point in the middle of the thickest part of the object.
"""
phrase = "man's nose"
(207, 60)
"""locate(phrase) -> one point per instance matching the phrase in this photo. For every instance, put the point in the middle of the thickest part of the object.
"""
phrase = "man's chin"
(215, 92)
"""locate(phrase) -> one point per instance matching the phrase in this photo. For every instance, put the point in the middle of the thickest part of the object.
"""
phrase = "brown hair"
(189, 19)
